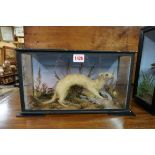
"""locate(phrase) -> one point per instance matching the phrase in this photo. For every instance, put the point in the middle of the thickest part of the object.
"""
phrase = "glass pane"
(146, 81)
(53, 81)
(27, 79)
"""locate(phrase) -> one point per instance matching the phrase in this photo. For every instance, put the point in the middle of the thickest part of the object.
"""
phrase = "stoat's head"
(106, 76)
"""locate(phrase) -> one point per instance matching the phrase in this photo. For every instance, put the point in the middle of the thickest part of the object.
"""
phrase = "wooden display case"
(42, 71)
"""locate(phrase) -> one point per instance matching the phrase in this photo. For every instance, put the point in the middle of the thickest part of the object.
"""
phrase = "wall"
(80, 37)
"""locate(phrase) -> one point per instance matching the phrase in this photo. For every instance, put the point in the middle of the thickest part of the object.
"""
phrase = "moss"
(100, 106)
(74, 92)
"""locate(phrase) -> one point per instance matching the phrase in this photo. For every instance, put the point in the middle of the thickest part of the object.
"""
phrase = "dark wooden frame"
(140, 101)
(125, 111)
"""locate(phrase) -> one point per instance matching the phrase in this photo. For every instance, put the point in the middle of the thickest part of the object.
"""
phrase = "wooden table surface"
(10, 105)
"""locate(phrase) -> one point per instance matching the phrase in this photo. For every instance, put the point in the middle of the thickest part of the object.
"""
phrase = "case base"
(127, 113)
(116, 113)
(148, 108)
(23, 114)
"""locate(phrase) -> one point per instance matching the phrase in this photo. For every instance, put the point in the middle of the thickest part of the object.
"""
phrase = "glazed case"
(67, 81)
(144, 90)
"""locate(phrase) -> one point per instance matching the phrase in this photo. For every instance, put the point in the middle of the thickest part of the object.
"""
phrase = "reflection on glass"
(55, 82)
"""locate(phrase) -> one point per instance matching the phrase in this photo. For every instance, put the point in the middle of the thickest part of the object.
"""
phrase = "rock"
(104, 93)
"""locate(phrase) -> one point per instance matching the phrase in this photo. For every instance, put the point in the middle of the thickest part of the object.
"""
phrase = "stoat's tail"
(51, 100)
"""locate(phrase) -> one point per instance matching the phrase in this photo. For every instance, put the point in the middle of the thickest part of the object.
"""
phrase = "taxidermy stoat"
(93, 86)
